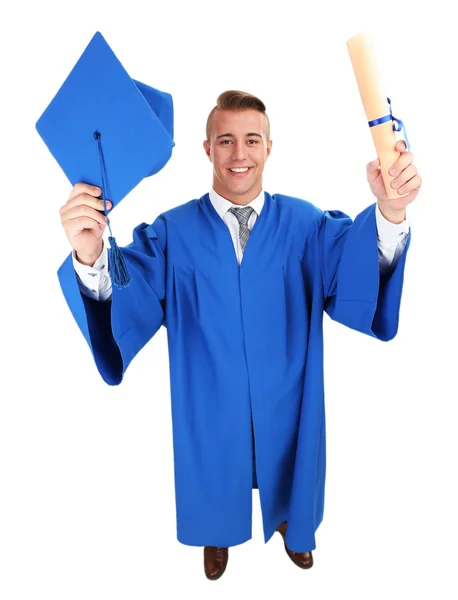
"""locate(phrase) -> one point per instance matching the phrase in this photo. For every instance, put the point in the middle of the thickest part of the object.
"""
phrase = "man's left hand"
(406, 181)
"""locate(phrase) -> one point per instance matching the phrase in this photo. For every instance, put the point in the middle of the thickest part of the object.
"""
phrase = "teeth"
(240, 170)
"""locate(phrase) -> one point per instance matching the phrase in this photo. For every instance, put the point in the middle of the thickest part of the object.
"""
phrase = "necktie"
(243, 214)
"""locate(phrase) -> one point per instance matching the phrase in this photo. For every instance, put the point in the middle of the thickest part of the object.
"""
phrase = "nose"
(239, 150)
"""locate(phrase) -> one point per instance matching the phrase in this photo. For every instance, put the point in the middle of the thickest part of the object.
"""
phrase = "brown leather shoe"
(304, 560)
(215, 561)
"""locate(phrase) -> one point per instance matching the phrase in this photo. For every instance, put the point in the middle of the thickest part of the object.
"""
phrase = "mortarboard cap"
(109, 130)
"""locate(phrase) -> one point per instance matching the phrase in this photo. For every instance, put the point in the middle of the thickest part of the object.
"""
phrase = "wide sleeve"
(357, 294)
(118, 329)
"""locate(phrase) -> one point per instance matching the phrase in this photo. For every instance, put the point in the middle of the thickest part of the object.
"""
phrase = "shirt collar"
(221, 205)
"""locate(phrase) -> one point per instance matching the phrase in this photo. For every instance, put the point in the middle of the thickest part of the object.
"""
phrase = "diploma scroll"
(376, 106)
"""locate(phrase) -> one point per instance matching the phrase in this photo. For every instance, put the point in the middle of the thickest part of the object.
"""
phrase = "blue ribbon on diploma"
(397, 122)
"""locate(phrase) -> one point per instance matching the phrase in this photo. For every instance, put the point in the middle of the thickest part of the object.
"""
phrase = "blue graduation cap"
(108, 130)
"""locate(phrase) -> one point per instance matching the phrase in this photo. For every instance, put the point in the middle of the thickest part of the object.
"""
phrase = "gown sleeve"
(356, 293)
(116, 330)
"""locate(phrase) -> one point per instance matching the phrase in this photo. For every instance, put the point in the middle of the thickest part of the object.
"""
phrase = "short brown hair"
(237, 100)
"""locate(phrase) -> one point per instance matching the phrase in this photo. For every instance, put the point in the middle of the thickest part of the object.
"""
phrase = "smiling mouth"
(239, 171)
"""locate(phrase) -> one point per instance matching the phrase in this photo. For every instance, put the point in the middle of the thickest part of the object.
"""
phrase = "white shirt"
(95, 281)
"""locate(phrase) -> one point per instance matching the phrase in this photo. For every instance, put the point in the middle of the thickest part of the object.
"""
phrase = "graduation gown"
(245, 350)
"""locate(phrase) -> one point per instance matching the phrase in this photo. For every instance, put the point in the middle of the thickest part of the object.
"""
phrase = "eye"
(225, 142)
(253, 142)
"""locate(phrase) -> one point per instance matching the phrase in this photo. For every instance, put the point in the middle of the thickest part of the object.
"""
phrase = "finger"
(404, 160)
(83, 210)
(76, 226)
(412, 185)
(84, 188)
(84, 199)
(404, 176)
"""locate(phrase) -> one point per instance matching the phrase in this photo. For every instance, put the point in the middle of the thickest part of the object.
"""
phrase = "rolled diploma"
(375, 104)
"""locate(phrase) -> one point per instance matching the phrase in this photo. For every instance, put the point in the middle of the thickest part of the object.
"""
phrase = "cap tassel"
(118, 269)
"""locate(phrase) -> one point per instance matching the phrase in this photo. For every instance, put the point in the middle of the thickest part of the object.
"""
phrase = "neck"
(239, 199)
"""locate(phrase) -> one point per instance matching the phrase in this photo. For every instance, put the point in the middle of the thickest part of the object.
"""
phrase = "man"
(241, 280)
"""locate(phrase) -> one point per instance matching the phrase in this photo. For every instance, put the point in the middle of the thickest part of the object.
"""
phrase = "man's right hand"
(83, 223)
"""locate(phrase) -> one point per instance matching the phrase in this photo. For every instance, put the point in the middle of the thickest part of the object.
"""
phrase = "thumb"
(372, 169)
(102, 227)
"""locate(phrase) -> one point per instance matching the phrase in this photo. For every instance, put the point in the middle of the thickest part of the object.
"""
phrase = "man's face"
(238, 148)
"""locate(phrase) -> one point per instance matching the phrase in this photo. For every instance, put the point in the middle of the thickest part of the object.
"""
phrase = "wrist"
(395, 216)
(89, 259)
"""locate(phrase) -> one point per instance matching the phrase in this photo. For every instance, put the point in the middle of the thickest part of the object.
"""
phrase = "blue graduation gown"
(245, 348)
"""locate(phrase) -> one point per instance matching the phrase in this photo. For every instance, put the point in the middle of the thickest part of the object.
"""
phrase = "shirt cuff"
(94, 281)
(390, 234)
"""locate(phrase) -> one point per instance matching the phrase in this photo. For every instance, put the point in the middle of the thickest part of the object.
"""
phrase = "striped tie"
(243, 215)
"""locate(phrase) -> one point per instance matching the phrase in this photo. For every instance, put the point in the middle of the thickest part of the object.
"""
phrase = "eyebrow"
(232, 135)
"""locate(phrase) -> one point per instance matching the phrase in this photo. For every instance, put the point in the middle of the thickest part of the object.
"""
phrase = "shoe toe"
(215, 561)
(304, 560)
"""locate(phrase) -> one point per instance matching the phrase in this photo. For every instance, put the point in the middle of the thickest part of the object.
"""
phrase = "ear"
(269, 148)
(207, 149)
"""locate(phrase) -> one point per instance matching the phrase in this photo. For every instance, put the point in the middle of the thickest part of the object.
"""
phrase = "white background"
(86, 474)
